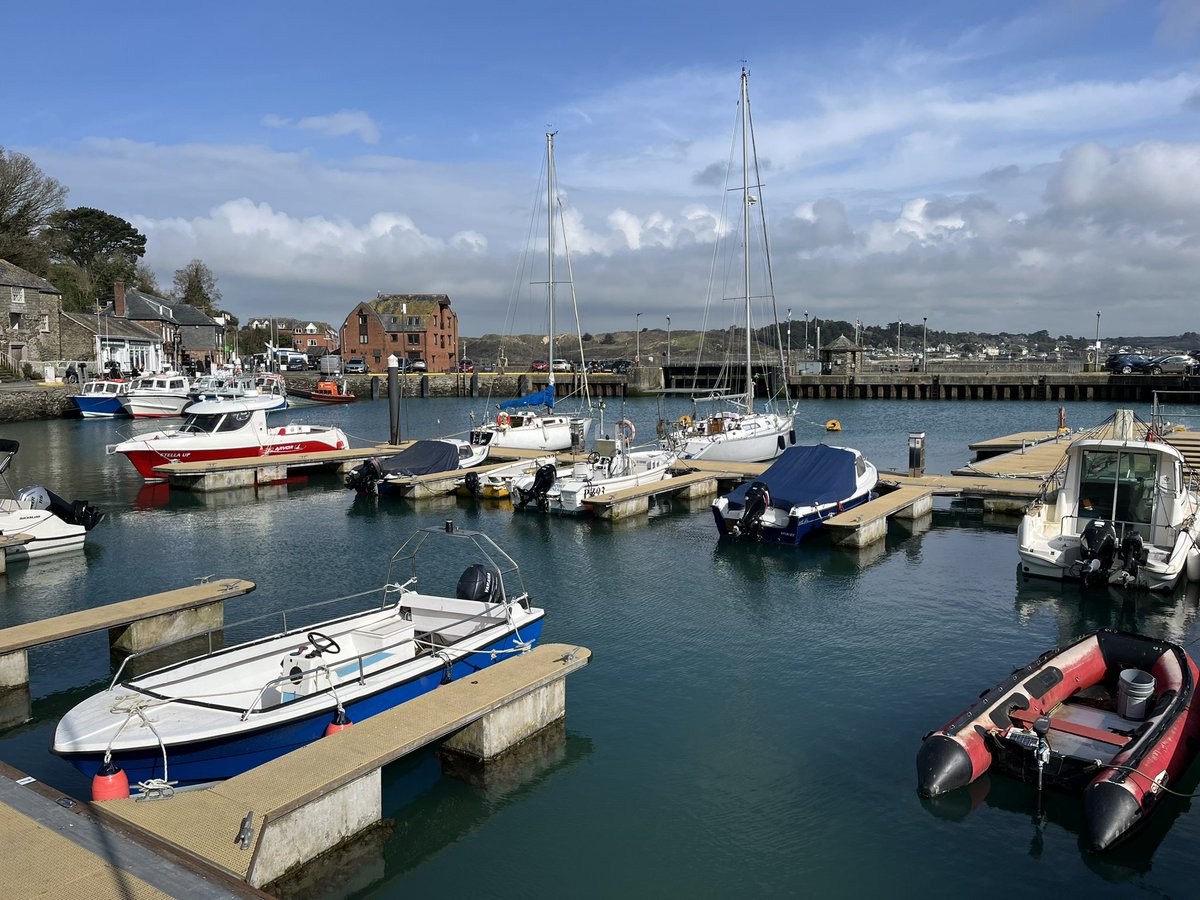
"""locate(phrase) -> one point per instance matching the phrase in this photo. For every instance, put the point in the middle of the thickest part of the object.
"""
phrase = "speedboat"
(1109, 717)
(612, 466)
(218, 714)
(398, 474)
(225, 429)
(801, 489)
(495, 482)
(101, 398)
(1118, 512)
(54, 525)
(156, 396)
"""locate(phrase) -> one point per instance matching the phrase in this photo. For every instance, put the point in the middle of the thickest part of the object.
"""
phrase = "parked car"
(561, 365)
(418, 365)
(466, 365)
(1172, 364)
(539, 365)
(356, 365)
(1127, 363)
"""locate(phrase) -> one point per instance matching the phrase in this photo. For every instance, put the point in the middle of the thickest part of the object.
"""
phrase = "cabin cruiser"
(101, 398)
(157, 396)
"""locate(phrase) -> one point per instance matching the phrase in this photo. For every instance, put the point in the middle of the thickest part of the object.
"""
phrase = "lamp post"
(806, 335)
(1096, 348)
(637, 337)
(897, 340)
(668, 342)
(789, 341)
(924, 343)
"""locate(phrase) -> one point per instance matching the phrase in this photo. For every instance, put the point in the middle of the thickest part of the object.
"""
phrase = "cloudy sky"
(992, 166)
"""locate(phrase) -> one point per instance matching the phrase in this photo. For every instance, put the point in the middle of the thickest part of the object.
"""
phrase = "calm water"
(751, 719)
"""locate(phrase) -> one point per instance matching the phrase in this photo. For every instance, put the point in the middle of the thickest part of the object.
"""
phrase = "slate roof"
(841, 342)
(147, 307)
(15, 276)
(114, 327)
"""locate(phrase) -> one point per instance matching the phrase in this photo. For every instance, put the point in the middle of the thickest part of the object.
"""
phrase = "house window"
(395, 337)
(362, 338)
(413, 321)
(14, 320)
(44, 325)
(362, 320)
(18, 295)
(312, 342)
(414, 339)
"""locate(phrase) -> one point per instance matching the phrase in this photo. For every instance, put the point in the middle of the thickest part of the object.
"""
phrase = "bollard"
(916, 454)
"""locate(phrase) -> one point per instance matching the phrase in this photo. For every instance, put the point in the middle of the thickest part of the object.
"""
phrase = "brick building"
(412, 326)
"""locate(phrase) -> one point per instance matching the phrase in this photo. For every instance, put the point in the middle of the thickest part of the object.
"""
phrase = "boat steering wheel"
(323, 643)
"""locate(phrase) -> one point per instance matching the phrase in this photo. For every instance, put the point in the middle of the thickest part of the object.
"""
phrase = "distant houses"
(414, 327)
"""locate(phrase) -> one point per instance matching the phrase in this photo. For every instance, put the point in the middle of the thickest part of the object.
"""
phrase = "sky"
(988, 166)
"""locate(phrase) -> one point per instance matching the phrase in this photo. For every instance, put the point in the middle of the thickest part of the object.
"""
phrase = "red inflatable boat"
(1110, 717)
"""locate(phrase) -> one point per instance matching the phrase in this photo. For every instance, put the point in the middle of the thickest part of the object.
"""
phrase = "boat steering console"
(321, 643)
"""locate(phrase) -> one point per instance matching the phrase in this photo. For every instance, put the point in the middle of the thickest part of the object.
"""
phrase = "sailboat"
(520, 424)
(737, 431)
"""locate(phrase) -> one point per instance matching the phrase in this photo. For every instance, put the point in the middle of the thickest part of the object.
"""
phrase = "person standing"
(72, 374)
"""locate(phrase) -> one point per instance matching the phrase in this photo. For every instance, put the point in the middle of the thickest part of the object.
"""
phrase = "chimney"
(119, 299)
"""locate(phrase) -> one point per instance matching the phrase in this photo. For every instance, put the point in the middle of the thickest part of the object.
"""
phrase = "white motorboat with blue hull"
(101, 399)
(799, 491)
(222, 713)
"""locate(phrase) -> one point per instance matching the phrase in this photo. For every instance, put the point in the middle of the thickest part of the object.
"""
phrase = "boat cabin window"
(201, 423)
(1118, 485)
(860, 466)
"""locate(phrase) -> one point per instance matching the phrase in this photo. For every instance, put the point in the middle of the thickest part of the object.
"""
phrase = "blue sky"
(999, 166)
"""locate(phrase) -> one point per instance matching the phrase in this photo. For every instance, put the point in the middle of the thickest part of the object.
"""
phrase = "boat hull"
(221, 758)
(538, 433)
(99, 407)
(147, 456)
(755, 438)
(797, 528)
(160, 406)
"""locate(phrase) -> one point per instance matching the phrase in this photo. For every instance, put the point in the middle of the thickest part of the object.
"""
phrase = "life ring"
(627, 431)
(685, 421)
(833, 425)
(502, 419)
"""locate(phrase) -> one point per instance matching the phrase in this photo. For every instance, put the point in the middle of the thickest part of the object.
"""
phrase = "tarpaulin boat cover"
(541, 398)
(805, 476)
(423, 458)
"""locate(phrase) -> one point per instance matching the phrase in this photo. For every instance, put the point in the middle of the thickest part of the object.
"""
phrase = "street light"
(924, 343)
(897, 340)
(806, 335)
(637, 331)
(1096, 350)
(668, 342)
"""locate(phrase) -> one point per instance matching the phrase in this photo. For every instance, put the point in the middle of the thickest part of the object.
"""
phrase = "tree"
(27, 199)
(92, 250)
(196, 286)
(144, 280)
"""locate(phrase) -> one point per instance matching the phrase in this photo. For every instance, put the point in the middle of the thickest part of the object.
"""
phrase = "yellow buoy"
(833, 425)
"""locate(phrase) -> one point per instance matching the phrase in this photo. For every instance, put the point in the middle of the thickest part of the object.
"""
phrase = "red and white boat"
(225, 429)
(1111, 717)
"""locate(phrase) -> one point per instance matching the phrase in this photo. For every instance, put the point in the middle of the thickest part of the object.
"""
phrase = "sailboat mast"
(746, 231)
(550, 244)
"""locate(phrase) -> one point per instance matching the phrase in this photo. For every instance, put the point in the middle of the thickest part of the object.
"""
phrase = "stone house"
(841, 356)
(30, 309)
(412, 326)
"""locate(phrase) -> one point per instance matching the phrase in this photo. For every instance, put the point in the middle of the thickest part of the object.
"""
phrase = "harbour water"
(749, 724)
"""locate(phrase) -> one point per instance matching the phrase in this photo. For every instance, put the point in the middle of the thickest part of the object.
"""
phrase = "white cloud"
(339, 124)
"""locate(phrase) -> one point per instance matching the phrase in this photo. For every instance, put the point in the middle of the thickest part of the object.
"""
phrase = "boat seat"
(1027, 717)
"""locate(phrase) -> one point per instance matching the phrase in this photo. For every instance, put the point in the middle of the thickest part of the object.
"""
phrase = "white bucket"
(1134, 694)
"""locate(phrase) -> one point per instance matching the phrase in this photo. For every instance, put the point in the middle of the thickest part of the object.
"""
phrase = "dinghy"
(221, 713)
(801, 489)
(1110, 716)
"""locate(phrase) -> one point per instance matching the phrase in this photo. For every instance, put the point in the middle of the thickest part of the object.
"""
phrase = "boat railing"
(384, 592)
(1156, 535)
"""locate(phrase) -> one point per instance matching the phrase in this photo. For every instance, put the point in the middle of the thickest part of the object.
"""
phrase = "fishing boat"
(398, 474)
(612, 466)
(735, 430)
(265, 390)
(225, 429)
(517, 425)
(1117, 512)
(328, 390)
(221, 713)
(54, 525)
(101, 398)
(800, 490)
(156, 396)
(1110, 717)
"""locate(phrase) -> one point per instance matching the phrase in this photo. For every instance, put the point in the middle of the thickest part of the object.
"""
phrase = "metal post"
(1096, 349)
(806, 335)
(637, 332)
(924, 343)
(393, 366)
(897, 339)
(789, 341)
(668, 342)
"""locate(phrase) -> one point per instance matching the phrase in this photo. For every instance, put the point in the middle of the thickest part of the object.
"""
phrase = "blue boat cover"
(423, 458)
(805, 476)
(541, 398)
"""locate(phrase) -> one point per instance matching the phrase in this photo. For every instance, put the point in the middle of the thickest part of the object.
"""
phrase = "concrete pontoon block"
(157, 630)
(502, 728)
(14, 669)
(922, 506)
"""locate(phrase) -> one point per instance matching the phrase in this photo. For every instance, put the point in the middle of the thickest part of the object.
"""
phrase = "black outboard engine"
(480, 583)
(1097, 546)
(1133, 555)
(78, 513)
(364, 477)
(758, 501)
(471, 481)
(543, 480)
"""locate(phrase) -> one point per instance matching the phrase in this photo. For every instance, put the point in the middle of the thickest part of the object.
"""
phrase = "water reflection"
(1078, 610)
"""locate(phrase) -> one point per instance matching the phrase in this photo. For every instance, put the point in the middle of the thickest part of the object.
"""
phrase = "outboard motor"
(78, 513)
(1097, 546)
(1133, 555)
(758, 501)
(543, 480)
(471, 481)
(364, 477)
(480, 583)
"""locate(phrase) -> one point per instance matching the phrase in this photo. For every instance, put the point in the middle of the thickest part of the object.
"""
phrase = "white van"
(330, 365)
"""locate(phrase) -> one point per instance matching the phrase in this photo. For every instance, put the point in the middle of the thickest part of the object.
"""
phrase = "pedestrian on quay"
(72, 374)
